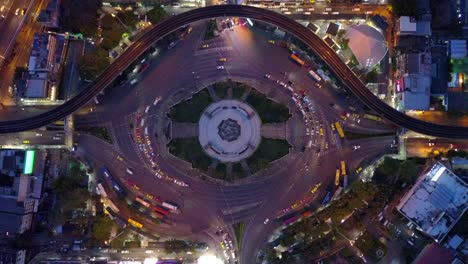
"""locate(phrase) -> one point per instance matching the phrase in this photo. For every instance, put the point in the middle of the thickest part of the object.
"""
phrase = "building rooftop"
(457, 101)
(416, 95)
(457, 48)
(436, 201)
(434, 253)
(407, 24)
(36, 88)
(367, 44)
(333, 28)
(312, 27)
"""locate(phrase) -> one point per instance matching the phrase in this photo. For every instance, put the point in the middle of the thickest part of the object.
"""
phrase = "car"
(130, 171)
(332, 127)
(431, 143)
(2, 8)
(23, 11)
(358, 170)
(205, 46)
(26, 141)
(271, 41)
(356, 147)
(220, 67)
(38, 134)
(132, 82)
(223, 59)
(56, 138)
(17, 11)
(268, 76)
(124, 252)
(156, 101)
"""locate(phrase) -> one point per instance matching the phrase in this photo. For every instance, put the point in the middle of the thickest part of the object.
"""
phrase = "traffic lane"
(420, 147)
(189, 219)
(33, 138)
(12, 24)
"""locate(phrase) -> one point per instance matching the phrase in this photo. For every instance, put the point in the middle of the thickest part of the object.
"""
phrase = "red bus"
(157, 215)
(160, 210)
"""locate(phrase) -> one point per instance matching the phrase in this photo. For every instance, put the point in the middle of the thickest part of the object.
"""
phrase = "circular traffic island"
(229, 131)
(227, 142)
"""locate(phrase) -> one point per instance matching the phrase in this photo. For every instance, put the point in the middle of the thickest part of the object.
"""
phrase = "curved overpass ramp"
(170, 24)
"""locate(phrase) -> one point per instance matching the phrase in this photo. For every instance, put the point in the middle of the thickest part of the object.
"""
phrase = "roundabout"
(229, 131)
(142, 122)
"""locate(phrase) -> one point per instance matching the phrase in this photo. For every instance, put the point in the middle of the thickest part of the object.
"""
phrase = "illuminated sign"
(29, 164)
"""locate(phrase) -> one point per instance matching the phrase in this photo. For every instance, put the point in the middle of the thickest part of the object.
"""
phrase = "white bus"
(315, 76)
(170, 206)
(101, 190)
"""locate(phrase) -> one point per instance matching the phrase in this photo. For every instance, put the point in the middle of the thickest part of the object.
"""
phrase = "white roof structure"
(436, 202)
(416, 94)
(407, 25)
(457, 48)
(367, 44)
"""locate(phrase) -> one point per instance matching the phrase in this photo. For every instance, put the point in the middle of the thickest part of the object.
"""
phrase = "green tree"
(102, 227)
(176, 246)
(372, 76)
(389, 166)
(404, 7)
(408, 171)
(128, 18)
(156, 14)
(93, 63)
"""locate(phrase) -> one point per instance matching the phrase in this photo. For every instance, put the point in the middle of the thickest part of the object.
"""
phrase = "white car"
(268, 76)
(266, 221)
(220, 67)
(156, 101)
(356, 147)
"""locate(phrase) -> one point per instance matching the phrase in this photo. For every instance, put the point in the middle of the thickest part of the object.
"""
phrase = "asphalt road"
(189, 65)
(11, 24)
(320, 47)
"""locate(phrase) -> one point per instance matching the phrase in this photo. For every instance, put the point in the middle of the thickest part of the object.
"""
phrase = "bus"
(112, 213)
(170, 206)
(117, 188)
(291, 220)
(372, 117)
(105, 172)
(339, 129)
(343, 167)
(296, 59)
(135, 223)
(143, 202)
(160, 210)
(111, 205)
(337, 177)
(337, 193)
(157, 215)
(315, 76)
(101, 190)
(306, 214)
(327, 198)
